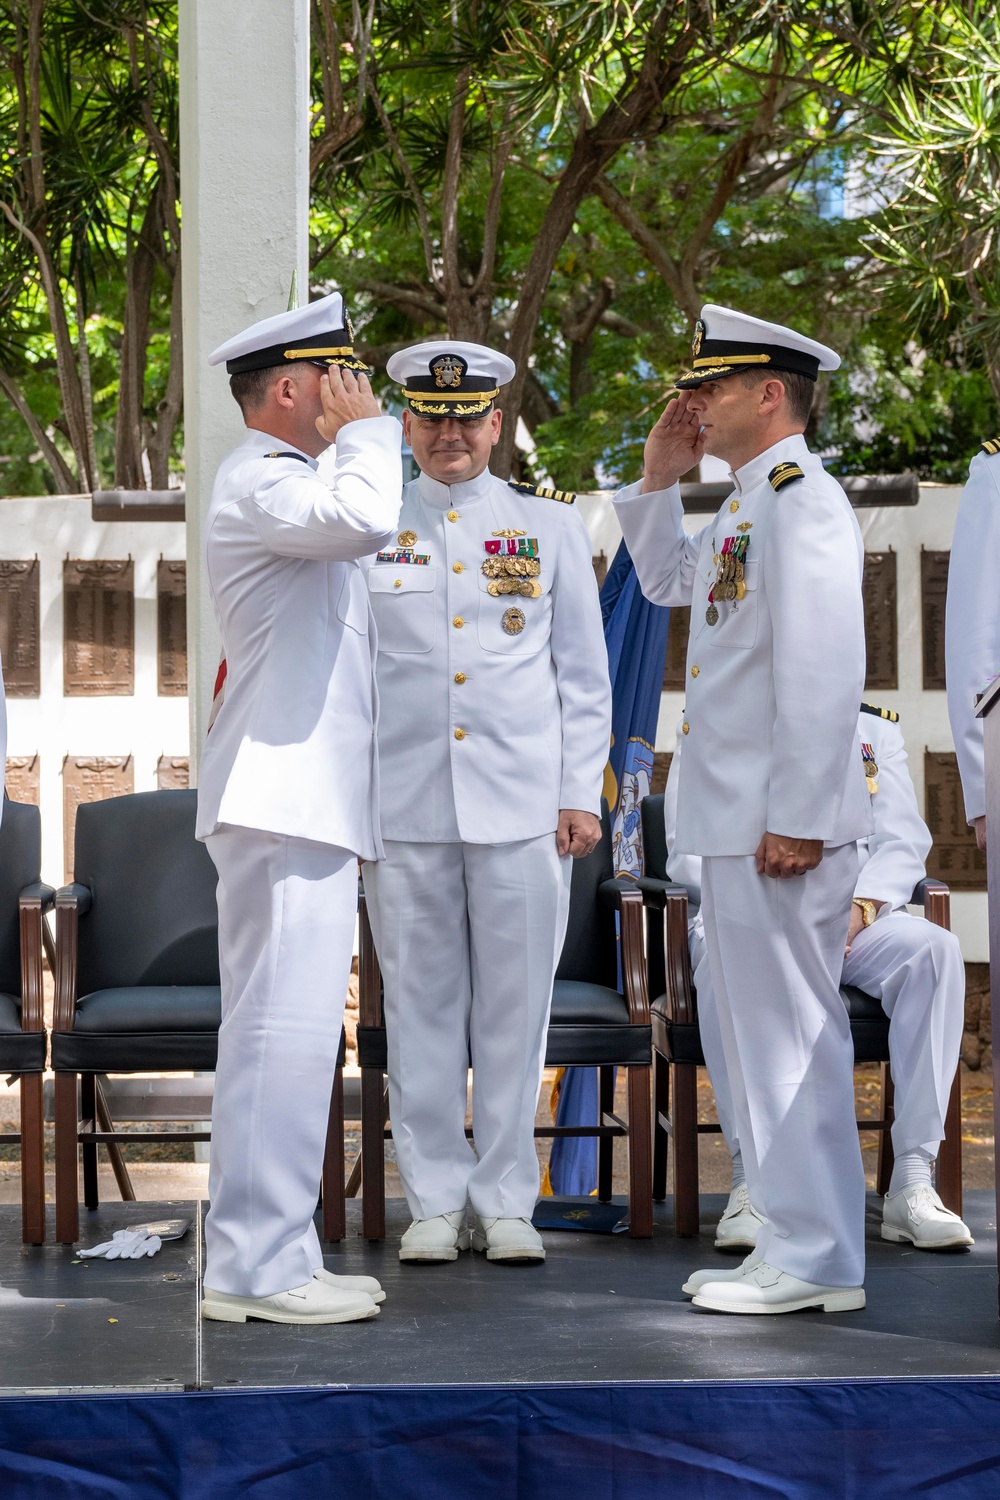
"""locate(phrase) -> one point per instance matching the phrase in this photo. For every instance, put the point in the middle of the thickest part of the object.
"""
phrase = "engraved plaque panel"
(880, 620)
(171, 629)
(954, 857)
(933, 589)
(173, 772)
(23, 778)
(677, 650)
(661, 770)
(600, 562)
(91, 778)
(98, 628)
(20, 628)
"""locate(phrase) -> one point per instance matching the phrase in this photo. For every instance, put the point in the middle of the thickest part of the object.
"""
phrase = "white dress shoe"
(366, 1284)
(765, 1289)
(918, 1215)
(313, 1303)
(440, 1238)
(740, 1223)
(698, 1279)
(508, 1239)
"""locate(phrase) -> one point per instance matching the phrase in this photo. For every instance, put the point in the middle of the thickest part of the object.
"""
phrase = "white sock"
(739, 1176)
(910, 1169)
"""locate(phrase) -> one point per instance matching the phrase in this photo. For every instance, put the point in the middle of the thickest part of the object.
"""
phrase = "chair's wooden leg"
(684, 1140)
(661, 1140)
(32, 1160)
(638, 1083)
(886, 1155)
(372, 1154)
(88, 1109)
(115, 1153)
(67, 1159)
(334, 1207)
(949, 1162)
(605, 1143)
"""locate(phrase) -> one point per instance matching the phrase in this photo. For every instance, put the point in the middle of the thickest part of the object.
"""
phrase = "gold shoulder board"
(991, 446)
(880, 713)
(566, 496)
(783, 474)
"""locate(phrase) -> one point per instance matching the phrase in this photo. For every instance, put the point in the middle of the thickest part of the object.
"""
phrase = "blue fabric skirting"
(843, 1440)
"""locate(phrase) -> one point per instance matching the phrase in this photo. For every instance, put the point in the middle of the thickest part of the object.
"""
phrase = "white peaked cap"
(449, 377)
(726, 342)
(320, 332)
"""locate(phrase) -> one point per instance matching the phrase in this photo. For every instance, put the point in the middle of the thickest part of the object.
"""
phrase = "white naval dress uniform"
(484, 736)
(913, 966)
(972, 620)
(287, 802)
(772, 702)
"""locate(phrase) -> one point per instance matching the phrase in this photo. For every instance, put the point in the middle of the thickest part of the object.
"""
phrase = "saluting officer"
(287, 794)
(771, 793)
(493, 738)
(972, 623)
(913, 966)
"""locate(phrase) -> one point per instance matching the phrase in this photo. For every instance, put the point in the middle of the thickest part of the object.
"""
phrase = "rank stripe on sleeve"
(782, 474)
(880, 713)
(301, 457)
(566, 496)
(991, 446)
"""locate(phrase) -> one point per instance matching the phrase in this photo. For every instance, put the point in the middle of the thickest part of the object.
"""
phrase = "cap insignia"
(699, 334)
(448, 371)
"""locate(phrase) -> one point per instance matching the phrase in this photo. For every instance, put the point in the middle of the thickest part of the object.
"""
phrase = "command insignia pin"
(406, 539)
(513, 621)
(734, 506)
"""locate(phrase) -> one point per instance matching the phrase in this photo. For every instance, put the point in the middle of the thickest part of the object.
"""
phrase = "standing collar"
(751, 474)
(262, 442)
(442, 496)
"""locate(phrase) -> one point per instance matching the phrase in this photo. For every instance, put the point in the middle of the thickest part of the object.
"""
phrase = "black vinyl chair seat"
(681, 1042)
(575, 1003)
(20, 1051)
(589, 1027)
(153, 1007)
(142, 1028)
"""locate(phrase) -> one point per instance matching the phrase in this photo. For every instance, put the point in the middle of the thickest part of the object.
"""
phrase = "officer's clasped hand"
(782, 858)
(124, 1244)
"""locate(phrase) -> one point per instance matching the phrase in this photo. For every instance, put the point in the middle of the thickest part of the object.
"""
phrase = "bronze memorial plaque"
(933, 589)
(661, 770)
(879, 591)
(91, 778)
(173, 773)
(171, 629)
(954, 857)
(98, 628)
(20, 627)
(23, 778)
(677, 650)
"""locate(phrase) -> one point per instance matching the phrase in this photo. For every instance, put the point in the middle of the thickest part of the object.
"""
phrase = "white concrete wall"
(923, 715)
(53, 726)
(244, 137)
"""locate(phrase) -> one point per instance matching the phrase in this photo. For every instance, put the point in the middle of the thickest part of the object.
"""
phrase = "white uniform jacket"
(292, 750)
(890, 860)
(972, 621)
(773, 687)
(485, 732)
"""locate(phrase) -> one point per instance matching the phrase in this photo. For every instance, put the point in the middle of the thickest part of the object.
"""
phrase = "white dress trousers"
(451, 921)
(775, 951)
(287, 909)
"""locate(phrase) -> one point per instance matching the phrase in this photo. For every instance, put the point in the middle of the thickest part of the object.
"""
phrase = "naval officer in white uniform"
(772, 793)
(913, 966)
(493, 737)
(287, 798)
(972, 623)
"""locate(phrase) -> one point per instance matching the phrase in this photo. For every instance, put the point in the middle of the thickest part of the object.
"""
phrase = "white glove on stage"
(125, 1244)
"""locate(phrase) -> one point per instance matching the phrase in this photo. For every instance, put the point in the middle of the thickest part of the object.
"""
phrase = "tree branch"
(66, 482)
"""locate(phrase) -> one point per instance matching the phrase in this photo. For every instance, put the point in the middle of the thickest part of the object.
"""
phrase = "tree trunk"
(140, 274)
(160, 439)
(65, 482)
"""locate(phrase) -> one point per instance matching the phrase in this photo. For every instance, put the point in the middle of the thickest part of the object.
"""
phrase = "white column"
(244, 128)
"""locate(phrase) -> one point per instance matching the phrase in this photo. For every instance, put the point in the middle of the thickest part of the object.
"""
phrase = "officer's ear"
(284, 390)
(496, 422)
(407, 423)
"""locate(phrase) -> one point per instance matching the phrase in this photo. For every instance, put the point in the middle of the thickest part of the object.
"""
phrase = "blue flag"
(635, 632)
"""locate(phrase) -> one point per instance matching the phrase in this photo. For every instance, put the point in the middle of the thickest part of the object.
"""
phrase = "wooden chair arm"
(681, 1006)
(632, 956)
(935, 898)
(72, 901)
(33, 902)
(369, 973)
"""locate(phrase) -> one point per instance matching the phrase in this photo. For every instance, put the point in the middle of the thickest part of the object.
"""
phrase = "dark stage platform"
(597, 1349)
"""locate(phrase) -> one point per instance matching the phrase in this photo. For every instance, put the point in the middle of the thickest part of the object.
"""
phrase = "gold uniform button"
(453, 515)
(457, 568)
(695, 670)
(458, 622)
(398, 584)
(460, 677)
(460, 734)
(686, 727)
